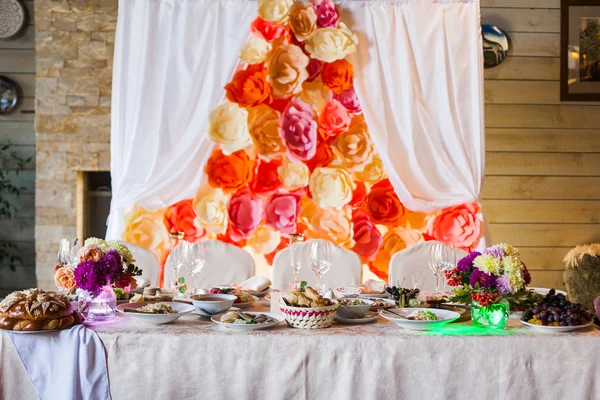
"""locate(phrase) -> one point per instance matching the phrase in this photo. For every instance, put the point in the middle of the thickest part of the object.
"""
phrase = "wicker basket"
(309, 318)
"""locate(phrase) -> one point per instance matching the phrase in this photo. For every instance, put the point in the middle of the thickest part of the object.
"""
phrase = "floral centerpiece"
(493, 282)
(100, 263)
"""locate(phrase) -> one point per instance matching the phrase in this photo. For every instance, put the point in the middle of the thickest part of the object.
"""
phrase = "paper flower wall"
(293, 153)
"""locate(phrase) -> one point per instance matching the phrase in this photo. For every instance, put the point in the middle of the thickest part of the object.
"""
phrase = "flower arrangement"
(293, 154)
(496, 275)
(100, 263)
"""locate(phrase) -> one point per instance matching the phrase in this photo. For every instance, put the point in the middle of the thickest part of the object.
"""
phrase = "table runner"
(69, 364)
(196, 359)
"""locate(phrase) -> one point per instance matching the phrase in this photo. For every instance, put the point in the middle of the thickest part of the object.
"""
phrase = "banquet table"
(195, 359)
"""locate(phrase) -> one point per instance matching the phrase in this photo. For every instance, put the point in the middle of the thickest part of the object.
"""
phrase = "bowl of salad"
(419, 319)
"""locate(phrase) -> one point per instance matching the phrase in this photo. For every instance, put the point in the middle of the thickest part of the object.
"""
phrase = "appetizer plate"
(444, 317)
(389, 303)
(374, 295)
(544, 291)
(557, 329)
(259, 294)
(370, 317)
(249, 327)
(156, 319)
(202, 314)
(247, 304)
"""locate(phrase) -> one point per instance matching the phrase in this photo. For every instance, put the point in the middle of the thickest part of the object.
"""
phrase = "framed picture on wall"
(580, 50)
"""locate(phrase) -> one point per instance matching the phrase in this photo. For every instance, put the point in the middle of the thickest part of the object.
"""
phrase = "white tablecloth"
(194, 359)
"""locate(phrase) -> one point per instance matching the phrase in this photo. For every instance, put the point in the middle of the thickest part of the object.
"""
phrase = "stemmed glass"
(320, 258)
(296, 240)
(186, 256)
(195, 260)
(441, 259)
(67, 255)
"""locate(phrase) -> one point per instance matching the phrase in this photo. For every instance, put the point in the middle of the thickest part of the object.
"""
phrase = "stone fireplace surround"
(74, 52)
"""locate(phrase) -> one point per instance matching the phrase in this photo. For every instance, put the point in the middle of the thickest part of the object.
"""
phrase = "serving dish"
(556, 329)
(249, 327)
(212, 304)
(444, 317)
(155, 319)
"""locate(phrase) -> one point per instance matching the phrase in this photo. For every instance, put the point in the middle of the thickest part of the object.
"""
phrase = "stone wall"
(74, 45)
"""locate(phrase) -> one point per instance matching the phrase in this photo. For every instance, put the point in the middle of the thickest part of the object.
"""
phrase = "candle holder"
(492, 316)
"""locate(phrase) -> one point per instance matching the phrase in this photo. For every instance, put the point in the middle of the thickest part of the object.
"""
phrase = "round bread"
(36, 309)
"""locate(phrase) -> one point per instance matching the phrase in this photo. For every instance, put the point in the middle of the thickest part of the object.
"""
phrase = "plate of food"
(379, 303)
(244, 299)
(364, 319)
(247, 321)
(555, 313)
(305, 308)
(155, 313)
(419, 319)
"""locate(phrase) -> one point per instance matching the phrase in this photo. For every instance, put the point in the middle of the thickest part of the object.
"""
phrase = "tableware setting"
(155, 313)
(212, 304)
(353, 307)
(556, 314)
(307, 309)
(419, 319)
(365, 319)
(247, 321)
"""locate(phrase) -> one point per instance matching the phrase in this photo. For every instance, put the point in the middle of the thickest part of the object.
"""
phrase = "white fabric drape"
(419, 77)
(172, 59)
(418, 74)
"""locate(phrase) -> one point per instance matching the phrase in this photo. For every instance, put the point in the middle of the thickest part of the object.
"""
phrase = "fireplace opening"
(93, 203)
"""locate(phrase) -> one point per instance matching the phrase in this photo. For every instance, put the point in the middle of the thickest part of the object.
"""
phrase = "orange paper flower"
(334, 119)
(322, 157)
(337, 75)
(181, 217)
(231, 172)
(266, 179)
(249, 87)
(458, 226)
(393, 241)
(384, 205)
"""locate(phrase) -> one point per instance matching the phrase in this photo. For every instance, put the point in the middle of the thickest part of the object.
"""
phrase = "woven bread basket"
(309, 318)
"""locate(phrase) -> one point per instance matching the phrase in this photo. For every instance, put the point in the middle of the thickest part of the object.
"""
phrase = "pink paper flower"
(457, 226)
(334, 119)
(299, 130)
(327, 14)
(281, 212)
(245, 214)
(349, 100)
(366, 236)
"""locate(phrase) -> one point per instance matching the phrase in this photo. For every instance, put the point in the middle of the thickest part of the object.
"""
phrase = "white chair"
(346, 268)
(146, 261)
(225, 264)
(414, 262)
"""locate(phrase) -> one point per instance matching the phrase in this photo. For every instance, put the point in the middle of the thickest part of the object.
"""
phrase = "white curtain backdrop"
(418, 74)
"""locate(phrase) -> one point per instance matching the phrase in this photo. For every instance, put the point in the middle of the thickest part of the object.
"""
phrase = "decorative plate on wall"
(495, 45)
(9, 95)
(12, 18)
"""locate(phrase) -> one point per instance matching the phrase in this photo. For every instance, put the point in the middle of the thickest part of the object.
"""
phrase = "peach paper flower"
(255, 51)
(393, 241)
(372, 172)
(330, 44)
(229, 172)
(147, 229)
(458, 226)
(264, 129)
(264, 240)
(303, 20)
(354, 146)
(228, 126)
(293, 175)
(337, 75)
(334, 119)
(210, 205)
(64, 280)
(274, 10)
(245, 213)
(315, 94)
(287, 70)
(299, 130)
(181, 217)
(331, 187)
(332, 224)
(249, 87)
(281, 212)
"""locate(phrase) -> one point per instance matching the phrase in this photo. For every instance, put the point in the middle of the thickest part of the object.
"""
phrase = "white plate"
(544, 291)
(390, 303)
(243, 327)
(444, 317)
(375, 295)
(202, 314)
(364, 320)
(258, 294)
(43, 331)
(156, 319)
(556, 329)
(247, 304)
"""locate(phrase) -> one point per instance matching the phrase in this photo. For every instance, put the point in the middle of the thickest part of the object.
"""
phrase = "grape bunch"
(556, 310)
(402, 295)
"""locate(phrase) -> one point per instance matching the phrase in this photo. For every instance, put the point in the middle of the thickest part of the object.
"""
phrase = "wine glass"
(320, 259)
(64, 252)
(196, 259)
(296, 240)
(441, 259)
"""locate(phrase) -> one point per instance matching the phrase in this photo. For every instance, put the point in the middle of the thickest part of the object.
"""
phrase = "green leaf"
(181, 280)
(303, 285)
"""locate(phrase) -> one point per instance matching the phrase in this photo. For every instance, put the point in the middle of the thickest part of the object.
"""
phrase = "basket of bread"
(37, 310)
(307, 309)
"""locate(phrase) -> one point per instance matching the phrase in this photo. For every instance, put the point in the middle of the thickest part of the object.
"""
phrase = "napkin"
(256, 283)
(372, 286)
(67, 364)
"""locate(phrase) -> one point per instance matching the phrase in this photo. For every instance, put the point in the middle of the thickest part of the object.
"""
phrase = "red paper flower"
(269, 31)
(266, 180)
(181, 217)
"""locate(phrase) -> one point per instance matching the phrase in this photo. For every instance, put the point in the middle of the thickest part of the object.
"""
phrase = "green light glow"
(492, 316)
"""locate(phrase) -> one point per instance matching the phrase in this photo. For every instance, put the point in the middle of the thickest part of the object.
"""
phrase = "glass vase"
(492, 316)
(98, 306)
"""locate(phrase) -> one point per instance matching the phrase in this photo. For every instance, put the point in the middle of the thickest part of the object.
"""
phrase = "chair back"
(346, 268)
(225, 264)
(414, 262)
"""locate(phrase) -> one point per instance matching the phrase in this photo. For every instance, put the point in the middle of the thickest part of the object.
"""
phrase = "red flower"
(269, 31)
(359, 196)
(266, 180)
(181, 217)
(384, 205)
